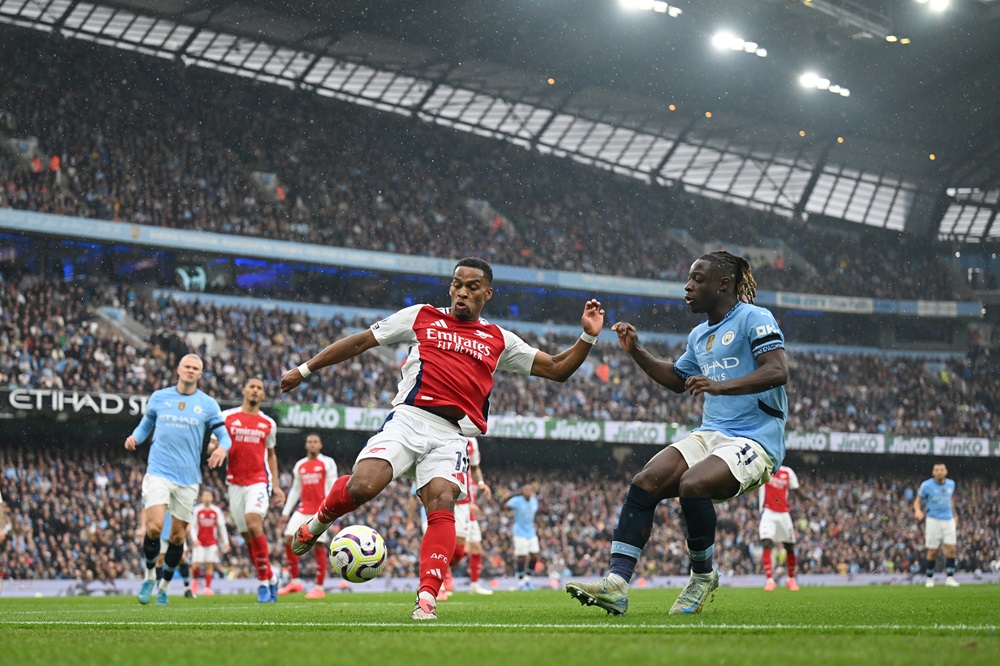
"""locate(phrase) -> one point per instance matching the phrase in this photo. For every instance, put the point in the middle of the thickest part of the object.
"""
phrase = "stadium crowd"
(74, 515)
(143, 141)
(50, 339)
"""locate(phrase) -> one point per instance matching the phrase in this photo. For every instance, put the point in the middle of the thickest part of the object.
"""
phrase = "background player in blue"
(938, 496)
(736, 360)
(179, 417)
(526, 546)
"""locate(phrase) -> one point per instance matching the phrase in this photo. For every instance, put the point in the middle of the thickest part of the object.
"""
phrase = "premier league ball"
(357, 553)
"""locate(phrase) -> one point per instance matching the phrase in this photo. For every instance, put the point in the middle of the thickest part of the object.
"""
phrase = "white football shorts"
(422, 446)
(747, 460)
(297, 519)
(777, 526)
(524, 546)
(247, 499)
(463, 520)
(940, 533)
(180, 499)
(205, 554)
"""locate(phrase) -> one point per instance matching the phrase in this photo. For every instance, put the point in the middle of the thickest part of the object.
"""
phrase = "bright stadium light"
(816, 82)
(727, 41)
(939, 6)
(657, 6)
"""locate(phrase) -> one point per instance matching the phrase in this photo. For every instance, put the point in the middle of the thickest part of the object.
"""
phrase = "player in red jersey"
(209, 537)
(253, 467)
(313, 477)
(776, 524)
(468, 536)
(443, 399)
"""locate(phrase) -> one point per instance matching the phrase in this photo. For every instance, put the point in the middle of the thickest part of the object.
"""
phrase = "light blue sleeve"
(217, 424)
(145, 426)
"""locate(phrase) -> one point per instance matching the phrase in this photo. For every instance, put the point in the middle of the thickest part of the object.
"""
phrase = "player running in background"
(179, 418)
(526, 548)
(312, 478)
(253, 468)
(776, 525)
(938, 496)
(443, 399)
(468, 537)
(736, 360)
(209, 537)
(473, 536)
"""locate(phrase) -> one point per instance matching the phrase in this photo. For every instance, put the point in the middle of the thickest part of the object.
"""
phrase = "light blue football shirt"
(727, 350)
(937, 497)
(524, 515)
(180, 423)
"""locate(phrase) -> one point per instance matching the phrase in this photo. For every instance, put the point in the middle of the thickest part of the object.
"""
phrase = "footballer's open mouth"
(460, 305)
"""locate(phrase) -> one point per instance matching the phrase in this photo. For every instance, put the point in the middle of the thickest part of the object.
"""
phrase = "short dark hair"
(476, 262)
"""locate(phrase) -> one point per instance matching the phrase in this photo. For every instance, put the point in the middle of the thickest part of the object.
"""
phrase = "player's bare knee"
(767, 544)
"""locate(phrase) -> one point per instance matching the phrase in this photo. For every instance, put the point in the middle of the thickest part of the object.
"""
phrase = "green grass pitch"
(823, 625)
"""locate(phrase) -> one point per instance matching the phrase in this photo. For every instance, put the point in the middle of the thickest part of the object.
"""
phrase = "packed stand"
(75, 511)
(49, 339)
(138, 140)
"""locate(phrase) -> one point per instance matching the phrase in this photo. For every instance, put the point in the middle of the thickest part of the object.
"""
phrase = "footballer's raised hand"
(628, 336)
(130, 443)
(290, 380)
(593, 317)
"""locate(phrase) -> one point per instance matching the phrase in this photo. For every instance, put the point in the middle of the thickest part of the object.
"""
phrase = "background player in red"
(776, 525)
(209, 537)
(443, 399)
(468, 537)
(253, 468)
(313, 477)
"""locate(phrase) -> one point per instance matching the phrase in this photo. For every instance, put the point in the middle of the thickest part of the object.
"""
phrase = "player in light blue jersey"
(526, 545)
(179, 418)
(938, 496)
(736, 359)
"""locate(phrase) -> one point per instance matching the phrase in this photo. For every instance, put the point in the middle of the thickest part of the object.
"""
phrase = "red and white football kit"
(312, 480)
(451, 363)
(248, 474)
(208, 530)
(466, 525)
(775, 520)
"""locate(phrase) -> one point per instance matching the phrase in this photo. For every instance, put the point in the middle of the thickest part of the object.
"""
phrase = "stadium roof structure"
(898, 128)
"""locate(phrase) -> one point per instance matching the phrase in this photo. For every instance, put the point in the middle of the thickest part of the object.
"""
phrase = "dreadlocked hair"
(739, 269)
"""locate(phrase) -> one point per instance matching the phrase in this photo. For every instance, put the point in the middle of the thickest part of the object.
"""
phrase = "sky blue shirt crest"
(937, 497)
(179, 423)
(524, 515)
(727, 350)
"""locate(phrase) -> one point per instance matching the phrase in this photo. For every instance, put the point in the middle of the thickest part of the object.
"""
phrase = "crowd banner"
(43, 403)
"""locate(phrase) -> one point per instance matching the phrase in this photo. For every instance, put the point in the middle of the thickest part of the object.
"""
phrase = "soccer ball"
(357, 553)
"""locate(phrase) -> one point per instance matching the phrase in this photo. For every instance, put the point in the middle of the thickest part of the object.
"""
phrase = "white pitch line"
(497, 625)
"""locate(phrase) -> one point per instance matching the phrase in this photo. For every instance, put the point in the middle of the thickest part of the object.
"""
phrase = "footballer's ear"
(489, 292)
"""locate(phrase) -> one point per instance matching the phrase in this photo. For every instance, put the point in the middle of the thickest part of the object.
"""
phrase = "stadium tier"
(190, 149)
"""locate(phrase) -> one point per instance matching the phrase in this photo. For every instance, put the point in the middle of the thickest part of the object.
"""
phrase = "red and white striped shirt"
(451, 361)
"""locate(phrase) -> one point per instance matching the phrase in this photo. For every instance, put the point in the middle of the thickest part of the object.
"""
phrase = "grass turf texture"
(874, 625)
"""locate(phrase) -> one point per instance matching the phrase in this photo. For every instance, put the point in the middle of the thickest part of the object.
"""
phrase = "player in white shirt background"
(442, 399)
(312, 478)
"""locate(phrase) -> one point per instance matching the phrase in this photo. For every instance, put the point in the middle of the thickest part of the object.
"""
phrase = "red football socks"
(337, 502)
(293, 562)
(436, 550)
(475, 567)
(321, 562)
(261, 557)
(765, 559)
